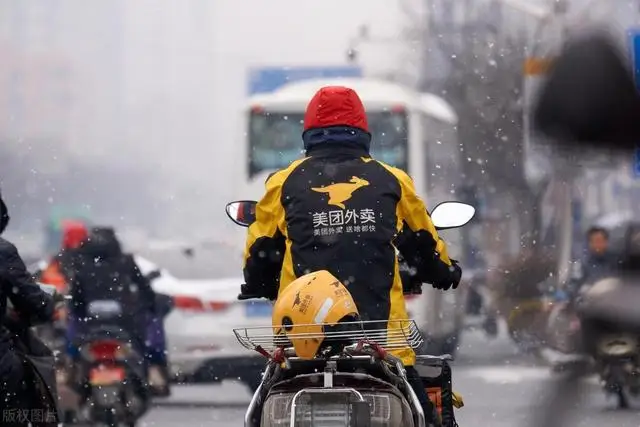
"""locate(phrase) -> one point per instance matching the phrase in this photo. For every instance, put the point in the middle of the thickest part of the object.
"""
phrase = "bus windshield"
(275, 139)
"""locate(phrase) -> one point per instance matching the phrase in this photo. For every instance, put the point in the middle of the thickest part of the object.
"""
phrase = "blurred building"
(61, 77)
(169, 92)
(35, 78)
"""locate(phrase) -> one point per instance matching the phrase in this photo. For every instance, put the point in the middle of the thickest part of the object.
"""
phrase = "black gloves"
(451, 279)
(411, 283)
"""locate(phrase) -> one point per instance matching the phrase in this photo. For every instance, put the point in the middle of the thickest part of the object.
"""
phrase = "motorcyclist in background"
(93, 267)
(16, 285)
(340, 210)
(598, 263)
(60, 266)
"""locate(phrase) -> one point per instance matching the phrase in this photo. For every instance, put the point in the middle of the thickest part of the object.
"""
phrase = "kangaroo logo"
(341, 192)
(297, 301)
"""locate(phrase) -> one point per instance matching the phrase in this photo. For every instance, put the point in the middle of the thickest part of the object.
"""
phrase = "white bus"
(413, 131)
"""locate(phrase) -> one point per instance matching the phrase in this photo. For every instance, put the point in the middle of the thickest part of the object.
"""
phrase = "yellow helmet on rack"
(306, 306)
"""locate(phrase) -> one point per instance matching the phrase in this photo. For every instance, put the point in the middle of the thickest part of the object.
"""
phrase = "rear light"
(257, 109)
(188, 303)
(218, 305)
(105, 350)
(398, 109)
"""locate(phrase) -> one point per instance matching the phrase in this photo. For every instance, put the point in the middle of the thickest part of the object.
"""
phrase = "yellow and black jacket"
(342, 211)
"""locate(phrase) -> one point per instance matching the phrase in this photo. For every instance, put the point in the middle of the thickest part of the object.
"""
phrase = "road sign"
(268, 79)
(634, 52)
(636, 163)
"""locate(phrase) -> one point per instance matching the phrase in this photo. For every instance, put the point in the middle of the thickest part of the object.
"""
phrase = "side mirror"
(242, 212)
(452, 215)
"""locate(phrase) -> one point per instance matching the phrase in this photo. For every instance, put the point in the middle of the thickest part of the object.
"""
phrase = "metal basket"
(391, 335)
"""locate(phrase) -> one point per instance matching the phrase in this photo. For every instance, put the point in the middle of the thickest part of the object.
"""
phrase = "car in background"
(204, 284)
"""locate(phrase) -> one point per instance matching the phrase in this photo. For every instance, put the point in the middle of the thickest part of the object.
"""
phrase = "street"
(500, 388)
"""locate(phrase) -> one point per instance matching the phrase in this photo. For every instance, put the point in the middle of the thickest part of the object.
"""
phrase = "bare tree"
(482, 79)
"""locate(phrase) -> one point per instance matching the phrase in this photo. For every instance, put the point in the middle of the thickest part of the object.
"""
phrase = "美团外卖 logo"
(341, 192)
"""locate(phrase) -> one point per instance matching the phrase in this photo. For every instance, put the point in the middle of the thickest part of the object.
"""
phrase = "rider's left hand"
(455, 274)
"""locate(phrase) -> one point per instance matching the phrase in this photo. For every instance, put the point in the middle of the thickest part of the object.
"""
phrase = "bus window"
(389, 138)
(275, 139)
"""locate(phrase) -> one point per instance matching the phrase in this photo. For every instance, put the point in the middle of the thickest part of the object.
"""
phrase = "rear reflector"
(218, 305)
(188, 303)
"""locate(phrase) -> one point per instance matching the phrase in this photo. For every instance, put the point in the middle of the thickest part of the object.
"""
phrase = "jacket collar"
(335, 148)
(336, 135)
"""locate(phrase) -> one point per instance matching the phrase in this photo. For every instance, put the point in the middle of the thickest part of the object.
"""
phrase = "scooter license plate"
(106, 375)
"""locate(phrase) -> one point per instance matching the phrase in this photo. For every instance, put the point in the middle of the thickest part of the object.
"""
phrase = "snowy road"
(500, 389)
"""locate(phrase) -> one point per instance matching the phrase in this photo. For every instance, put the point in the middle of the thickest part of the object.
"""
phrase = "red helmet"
(335, 106)
(336, 113)
(73, 233)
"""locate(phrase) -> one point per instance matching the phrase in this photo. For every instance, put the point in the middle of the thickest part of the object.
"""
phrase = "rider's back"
(340, 209)
(102, 272)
